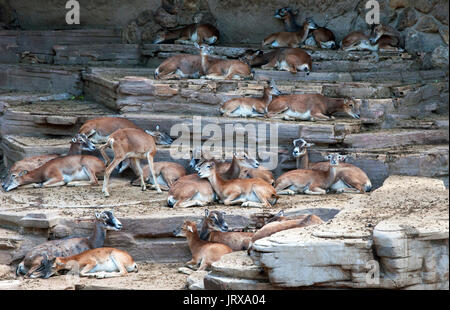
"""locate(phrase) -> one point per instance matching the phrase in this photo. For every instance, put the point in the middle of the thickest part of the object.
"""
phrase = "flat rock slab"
(238, 265)
(216, 282)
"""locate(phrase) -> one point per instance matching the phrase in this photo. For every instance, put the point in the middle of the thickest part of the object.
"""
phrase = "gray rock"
(427, 24)
(424, 6)
(407, 18)
(439, 57)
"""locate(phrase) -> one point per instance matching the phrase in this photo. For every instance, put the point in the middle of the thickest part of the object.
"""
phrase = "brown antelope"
(349, 178)
(198, 33)
(72, 170)
(179, 67)
(100, 263)
(323, 37)
(203, 252)
(311, 107)
(357, 41)
(308, 181)
(134, 144)
(99, 129)
(288, 59)
(191, 190)
(216, 68)
(34, 263)
(290, 39)
(386, 38)
(250, 107)
(277, 226)
(246, 192)
(166, 174)
(78, 144)
(215, 229)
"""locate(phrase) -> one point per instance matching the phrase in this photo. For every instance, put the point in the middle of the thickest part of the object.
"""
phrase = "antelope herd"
(243, 181)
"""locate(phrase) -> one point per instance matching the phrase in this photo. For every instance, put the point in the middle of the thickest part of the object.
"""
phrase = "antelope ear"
(97, 215)
(157, 127)
(74, 140)
(23, 172)
(206, 212)
(196, 45)
(190, 229)
(309, 144)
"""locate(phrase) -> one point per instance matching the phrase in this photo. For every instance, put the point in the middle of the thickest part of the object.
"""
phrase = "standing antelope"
(357, 41)
(308, 181)
(349, 178)
(203, 252)
(216, 68)
(134, 144)
(191, 190)
(288, 59)
(99, 129)
(290, 39)
(33, 264)
(215, 229)
(386, 38)
(250, 107)
(73, 170)
(311, 107)
(323, 37)
(194, 33)
(100, 263)
(246, 192)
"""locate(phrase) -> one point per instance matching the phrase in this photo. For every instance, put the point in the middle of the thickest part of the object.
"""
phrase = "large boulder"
(439, 58)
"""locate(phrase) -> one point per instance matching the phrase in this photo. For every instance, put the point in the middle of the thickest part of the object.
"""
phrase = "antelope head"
(86, 144)
(352, 108)
(108, 220)
(215, 221)
(161, 138)
(300, 147)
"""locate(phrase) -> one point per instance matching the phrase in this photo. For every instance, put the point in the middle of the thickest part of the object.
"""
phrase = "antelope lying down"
(203, 252)
(167, 173)
(194, 33)
(35, 262)
(180, 66)
(246, 192)
(290, 39)
(311, 107)
(215, 229)
(349, 178)
(287, 59)
(250, 107)
(386, 38)
(307, 181)
(100, 263)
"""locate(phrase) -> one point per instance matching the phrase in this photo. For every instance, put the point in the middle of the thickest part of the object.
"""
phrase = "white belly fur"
(339, 185)
(80, 175)
(298, 115)
(108, 266)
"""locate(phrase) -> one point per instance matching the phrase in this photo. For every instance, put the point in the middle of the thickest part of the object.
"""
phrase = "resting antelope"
(250, 107)
(134, 144)
(180, 66)
(198, 33)
(290, 39)
(349, 178)
(215, 229)
(308, 181)
(311, 107)
(323, 37)
(357, 41)
(287, 59)
(203, 252)
(33, 265)
(100, 263)
(246, 192)
(215, 68)
(386, 38)
(99, 129)
(166, 174)
(73, 170)
(191, 190)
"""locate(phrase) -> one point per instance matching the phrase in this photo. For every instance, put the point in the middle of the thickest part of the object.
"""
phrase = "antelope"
(216, 68)
(215, 229)
(311, 107)
(323, 37)
(349, 178)
(357, 41)
(99, 129)
(250, 107)
(100, 263)
(203, 252)
(78, 144)
(33, 264)
(166, 174)
(386, 38)
(277, 226)
(287, 59)
(129, 143)
(180, 66)
(308, 181)
(198, 33)
(290, 39)
(191, 190)
(246, 192)
(71, 170)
